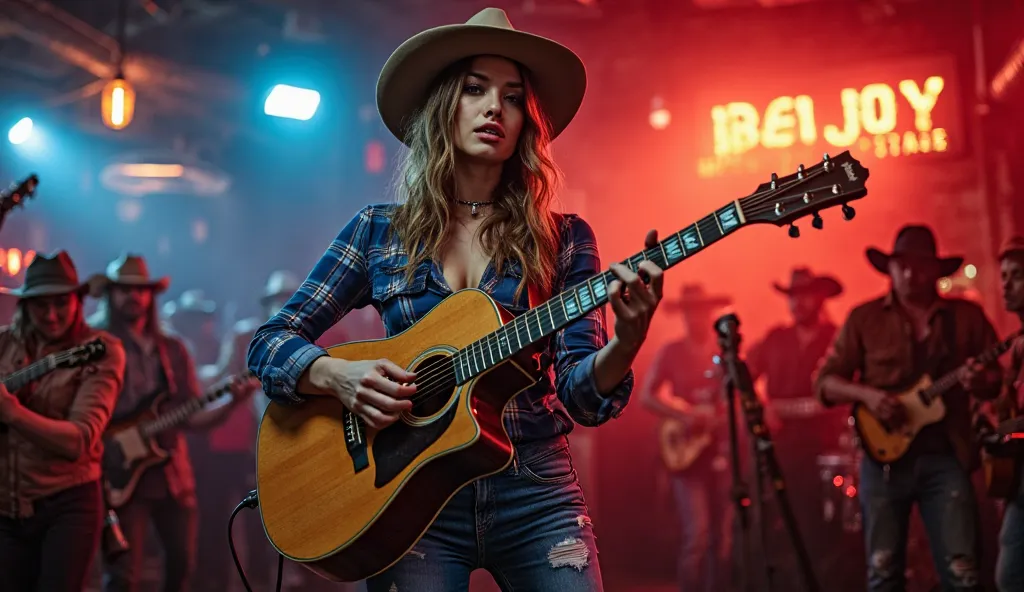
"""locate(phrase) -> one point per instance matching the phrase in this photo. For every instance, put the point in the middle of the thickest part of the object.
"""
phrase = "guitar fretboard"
(952, 378)
(537, 323)
(21, 378)
(182, 412)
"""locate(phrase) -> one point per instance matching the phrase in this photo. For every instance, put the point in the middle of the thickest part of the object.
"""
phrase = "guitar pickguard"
(395, 447)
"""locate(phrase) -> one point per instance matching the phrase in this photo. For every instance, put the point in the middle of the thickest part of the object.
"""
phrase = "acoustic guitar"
(348, 501)
(923, 403)
(131, 446)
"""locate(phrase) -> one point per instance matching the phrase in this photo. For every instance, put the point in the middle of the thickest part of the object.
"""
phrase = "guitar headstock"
(835, 181)
(82, 354)
(16, 194)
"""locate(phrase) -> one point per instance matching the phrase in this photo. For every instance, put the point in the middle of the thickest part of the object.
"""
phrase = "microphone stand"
(738, 381)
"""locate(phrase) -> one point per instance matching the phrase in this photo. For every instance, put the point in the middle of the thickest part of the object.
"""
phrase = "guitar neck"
(952, 378)
(178, 415)
(534, 325)
(21, 378)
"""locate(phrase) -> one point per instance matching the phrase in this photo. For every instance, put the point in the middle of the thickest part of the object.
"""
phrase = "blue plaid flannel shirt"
(363, 267)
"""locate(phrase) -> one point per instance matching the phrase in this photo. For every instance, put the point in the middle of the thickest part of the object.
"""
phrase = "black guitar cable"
(250, 501)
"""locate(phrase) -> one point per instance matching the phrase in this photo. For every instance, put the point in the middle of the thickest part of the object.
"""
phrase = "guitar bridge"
(355, 440)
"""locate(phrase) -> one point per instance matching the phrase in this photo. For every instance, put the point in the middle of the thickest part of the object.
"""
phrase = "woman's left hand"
(8, 404)
(635, 309)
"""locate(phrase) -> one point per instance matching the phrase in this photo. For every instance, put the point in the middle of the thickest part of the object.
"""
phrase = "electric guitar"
(131, 446)
(74, 357)
(1001, 459)
(16, 194)
(923, 404)
(348, 501)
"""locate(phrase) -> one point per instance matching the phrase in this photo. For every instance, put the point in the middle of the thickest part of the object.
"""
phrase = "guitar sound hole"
(435, 380)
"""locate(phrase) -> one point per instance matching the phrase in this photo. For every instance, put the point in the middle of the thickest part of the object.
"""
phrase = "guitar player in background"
(1010, 565)
(51, 501)
(884, 346)
(157, 362)
(786, 359)
(684, 387)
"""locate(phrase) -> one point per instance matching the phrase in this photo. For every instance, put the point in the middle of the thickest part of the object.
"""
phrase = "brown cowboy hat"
(917, 242)
(1014, 244)
(693, 296)
(49, 275)
(127, 270)
(557, 75)
(803, 280)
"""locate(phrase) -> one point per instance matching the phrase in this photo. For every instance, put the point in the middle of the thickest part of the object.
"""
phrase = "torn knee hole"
(963, 570)
(571, 552)
(881, 563)
(583, 520)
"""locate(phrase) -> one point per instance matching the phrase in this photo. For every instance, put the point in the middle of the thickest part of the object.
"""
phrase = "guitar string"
(439, 375)
(437, 379)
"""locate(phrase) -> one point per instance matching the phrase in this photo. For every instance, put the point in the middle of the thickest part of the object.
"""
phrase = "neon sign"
(912, 113)
(869, 114)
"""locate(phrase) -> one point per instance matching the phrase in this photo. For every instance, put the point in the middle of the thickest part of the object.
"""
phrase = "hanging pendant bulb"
(118, 103)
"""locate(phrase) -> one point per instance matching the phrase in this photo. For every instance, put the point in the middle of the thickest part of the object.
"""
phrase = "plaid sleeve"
(284, 346)
(576, 346)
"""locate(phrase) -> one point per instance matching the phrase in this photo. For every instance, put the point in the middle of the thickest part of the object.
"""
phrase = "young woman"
(477, 105)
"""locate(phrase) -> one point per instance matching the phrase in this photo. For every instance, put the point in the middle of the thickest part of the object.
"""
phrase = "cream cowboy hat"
(127, 270)
(558, 76)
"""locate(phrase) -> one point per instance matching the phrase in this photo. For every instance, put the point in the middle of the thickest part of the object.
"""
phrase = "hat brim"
(276, 295)
(99, 283)
(45, 290)
(880, 261)
(827, 286)
(700, 304)
(557, 75)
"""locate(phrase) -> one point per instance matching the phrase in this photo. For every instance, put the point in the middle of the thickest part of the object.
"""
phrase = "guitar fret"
(699, 237)
(720, 231)
(551, 316)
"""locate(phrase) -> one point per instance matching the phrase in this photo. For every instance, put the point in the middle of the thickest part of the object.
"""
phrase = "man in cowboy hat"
(51, 444)
(885, 346)
(157, 362)
(1010, 565)
(787, 358)
(684, 385)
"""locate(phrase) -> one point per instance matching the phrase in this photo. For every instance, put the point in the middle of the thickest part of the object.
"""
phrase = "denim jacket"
(363, 267)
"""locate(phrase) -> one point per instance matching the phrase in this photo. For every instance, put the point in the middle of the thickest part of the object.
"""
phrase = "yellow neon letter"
(881, 119)
(735, 128)
(805, 116)
(779, 124)
(851, 130)
(922, 102)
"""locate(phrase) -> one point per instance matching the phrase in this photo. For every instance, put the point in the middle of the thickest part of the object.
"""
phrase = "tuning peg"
(817, 222)
(800, 172)
(827, 163)
(848, 212)
(775, 180)
(794, 232)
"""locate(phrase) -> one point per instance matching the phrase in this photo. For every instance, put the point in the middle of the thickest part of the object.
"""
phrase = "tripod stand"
(737, 381)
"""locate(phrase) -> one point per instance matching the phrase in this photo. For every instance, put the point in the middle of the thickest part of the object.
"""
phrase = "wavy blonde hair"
(521, 227)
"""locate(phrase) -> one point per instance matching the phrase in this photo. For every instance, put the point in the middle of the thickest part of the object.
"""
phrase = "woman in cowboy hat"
(477, 104)
(51, 513)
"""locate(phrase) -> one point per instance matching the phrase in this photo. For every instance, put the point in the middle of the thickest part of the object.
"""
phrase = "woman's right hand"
(375, 390)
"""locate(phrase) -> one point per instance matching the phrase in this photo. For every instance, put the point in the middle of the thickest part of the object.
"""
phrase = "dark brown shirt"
(84, 396)
(877, 347)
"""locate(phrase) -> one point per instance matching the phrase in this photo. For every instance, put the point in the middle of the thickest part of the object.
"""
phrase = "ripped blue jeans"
(1010, 566)
(528, 526)
(945, 498)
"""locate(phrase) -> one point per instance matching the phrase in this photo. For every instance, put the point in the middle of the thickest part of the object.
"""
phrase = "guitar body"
(680, 446)
(886, 445)
(347, 525)
(127, 454)
(1002, 475)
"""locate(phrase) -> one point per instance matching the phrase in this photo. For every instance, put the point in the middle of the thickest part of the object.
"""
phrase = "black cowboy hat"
(49, 275)
(918, 242)
(803, 281)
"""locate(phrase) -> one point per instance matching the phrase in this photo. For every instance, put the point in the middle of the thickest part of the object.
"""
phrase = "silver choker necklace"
(474, 205)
